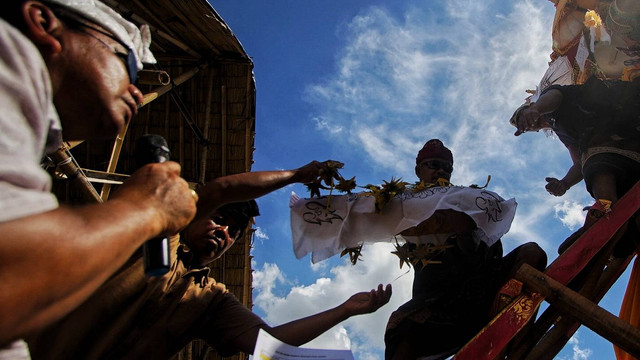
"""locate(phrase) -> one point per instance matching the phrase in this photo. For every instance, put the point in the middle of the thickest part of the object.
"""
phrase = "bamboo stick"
(223, 131)
(153, 77)
(591, 315)
(205, 130)
(159, 91)
(147, 98)
(113, 160)
(249, 121)
(66, 164)
(246, 284)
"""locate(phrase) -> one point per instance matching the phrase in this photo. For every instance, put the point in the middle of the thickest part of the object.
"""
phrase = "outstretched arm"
(251, 185)
(301, 331)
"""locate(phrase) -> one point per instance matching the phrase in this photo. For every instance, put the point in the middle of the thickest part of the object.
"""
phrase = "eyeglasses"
(437, 164)
(129, 59)
(234, 231)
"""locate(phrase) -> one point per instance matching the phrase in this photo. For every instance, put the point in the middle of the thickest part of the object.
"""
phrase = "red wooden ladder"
(591, 250)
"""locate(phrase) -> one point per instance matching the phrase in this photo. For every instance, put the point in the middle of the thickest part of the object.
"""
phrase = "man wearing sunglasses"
(67, 69)
(453, 298)
(153, 318)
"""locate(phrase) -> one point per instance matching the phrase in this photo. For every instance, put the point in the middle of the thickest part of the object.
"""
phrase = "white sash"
(352, 220)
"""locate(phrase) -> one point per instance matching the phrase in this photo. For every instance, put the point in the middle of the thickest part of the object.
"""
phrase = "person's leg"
(411, 340)
(403, 350)
(530, 253)
(603, 186)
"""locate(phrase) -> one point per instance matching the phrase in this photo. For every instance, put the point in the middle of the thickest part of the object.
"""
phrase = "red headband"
(434, 149)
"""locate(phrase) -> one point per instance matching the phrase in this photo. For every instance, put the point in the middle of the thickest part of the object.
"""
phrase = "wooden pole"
(147, 98)
(205, 131)
(113, 161)
(161, 90)
(591, 315)
(549, 343)
(153, 77)
(66, 164)
(223, 131)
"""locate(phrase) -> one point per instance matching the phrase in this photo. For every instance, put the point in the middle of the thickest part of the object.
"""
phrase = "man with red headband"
(451, 300)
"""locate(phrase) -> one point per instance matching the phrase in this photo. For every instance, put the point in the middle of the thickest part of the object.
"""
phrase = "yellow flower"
(592, 19)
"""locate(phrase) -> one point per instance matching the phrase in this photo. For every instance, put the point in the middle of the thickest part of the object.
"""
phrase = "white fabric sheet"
(352, 220)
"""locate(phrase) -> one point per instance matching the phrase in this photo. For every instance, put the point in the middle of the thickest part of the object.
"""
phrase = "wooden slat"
(605, 324)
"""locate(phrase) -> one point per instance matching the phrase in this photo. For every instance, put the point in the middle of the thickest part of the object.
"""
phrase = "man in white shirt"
(67, 69)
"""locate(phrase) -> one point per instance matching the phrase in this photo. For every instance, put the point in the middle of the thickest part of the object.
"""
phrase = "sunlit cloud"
(363, 333)
(578, 351)
(570, 213)
(261, 235)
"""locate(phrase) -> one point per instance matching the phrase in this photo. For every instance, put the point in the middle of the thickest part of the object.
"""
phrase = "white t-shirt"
(29, 128)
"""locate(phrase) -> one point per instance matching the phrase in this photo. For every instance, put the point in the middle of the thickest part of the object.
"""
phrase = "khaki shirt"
(135, 317)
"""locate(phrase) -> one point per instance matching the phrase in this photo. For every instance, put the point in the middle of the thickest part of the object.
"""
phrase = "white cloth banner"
(352, 220)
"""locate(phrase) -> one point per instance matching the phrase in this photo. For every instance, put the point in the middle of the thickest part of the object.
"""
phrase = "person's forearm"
(573, 176)
(51, 262)
(548, 102)
(301, 331)
(241, 187)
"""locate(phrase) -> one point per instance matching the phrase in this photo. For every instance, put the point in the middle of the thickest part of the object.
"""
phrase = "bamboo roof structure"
(201, 98)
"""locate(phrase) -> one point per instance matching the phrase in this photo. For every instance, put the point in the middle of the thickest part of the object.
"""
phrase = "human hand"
(158, 187)
(316, 171)
(527, 119)
(556, 187)
(368, 302)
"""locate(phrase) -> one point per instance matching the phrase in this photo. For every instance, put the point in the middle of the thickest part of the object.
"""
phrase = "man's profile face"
(209, 238)
(95, 98)
(430, 170)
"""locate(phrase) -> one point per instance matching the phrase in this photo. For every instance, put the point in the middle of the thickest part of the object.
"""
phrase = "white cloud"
(364, 334)
(578, 352)
(570, 214)
(260, 234)
(399, 83)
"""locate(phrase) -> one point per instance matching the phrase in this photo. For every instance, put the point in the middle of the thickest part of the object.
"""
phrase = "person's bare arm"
(547, 103)
(301, 331)
(251, 185)
(51, 262)
(573, 176)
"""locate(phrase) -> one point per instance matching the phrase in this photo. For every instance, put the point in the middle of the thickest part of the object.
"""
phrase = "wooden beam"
(599, 320)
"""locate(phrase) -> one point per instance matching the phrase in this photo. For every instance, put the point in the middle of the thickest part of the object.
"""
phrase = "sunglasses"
(437, 164)
(128, 58)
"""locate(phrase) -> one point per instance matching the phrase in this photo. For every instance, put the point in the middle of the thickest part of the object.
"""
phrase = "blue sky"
(367, 82)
